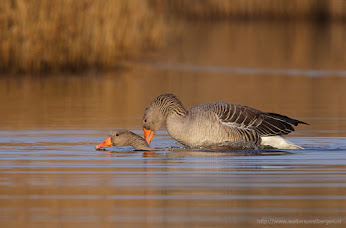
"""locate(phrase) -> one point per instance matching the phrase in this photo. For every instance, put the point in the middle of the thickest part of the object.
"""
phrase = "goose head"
(124, 137)
(153, 119)
(155, 115)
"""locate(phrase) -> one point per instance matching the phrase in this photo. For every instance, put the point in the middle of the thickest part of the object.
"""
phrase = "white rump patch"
(278, 142)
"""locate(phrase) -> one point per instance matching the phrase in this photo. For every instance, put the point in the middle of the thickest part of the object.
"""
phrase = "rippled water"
(56, 178)
(51, 175)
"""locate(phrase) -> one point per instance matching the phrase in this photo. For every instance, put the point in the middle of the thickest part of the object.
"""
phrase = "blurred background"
(98, 64)
(72, 70)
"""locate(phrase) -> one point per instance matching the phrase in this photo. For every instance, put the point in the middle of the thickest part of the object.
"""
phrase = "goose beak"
(106, 143)
(148, 135)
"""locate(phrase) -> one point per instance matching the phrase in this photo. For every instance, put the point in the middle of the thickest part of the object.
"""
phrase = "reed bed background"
(45, 35)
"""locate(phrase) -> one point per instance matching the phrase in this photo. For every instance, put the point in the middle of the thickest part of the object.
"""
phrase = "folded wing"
(247, 118)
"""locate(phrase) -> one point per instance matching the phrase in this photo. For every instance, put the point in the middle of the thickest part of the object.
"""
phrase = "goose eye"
(145, 120)
(117, 135)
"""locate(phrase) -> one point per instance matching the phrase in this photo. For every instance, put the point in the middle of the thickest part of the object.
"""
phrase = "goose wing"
(247, 118)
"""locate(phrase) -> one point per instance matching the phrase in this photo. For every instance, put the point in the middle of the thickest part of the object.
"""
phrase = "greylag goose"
(215, 123)
(123, 137)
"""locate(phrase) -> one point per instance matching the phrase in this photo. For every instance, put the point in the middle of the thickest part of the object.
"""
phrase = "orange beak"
(106, 143)
(148, 135)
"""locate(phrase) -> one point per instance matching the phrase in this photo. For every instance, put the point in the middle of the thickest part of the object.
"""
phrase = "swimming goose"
(215, 123)
(124, 137)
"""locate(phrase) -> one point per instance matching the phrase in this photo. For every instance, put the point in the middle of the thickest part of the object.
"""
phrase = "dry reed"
(46, 35)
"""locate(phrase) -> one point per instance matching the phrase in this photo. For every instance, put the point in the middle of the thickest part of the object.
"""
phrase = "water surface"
(56, 178)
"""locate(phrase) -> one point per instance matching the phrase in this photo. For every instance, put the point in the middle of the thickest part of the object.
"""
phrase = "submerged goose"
(123, 137)
(215, 123)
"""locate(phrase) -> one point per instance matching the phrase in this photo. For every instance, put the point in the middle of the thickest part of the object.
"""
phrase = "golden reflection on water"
(109, 101)
(51, 176)
(260, 44)
(167, 191)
